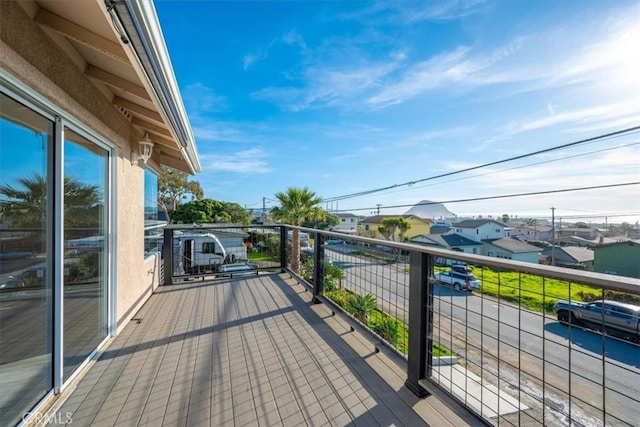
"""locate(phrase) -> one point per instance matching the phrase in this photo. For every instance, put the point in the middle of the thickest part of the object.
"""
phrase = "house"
(620, 258)
(88, 101)
(538, 233)
(454, 242)
(368, 227)
(509, 248)
(584, 232)
(569, 257)
(348, 223)
(440, 229)
(480, 229)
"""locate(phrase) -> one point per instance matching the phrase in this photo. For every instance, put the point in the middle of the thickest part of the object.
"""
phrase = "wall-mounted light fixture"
(145, 148)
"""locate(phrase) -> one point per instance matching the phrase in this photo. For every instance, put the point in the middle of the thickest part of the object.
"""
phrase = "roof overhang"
(119, 45)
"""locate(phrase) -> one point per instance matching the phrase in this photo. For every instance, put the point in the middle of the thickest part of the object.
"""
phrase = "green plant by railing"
(333, 274)
(394, 331)
(359, 306)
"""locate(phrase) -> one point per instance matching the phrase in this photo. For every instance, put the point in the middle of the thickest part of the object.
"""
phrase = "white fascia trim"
(144, 13)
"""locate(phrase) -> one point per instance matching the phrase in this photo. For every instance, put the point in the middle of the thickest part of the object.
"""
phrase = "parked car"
(461, 268)
(612, 316)
(459, 281)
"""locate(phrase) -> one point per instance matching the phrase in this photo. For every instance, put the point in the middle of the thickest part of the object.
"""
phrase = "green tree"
(392, 225)
(297, 205)
(328, 221)
(505, 218)
(174, 187)
(210, 211)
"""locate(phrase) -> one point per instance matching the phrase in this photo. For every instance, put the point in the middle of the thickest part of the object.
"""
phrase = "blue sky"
(348, 96)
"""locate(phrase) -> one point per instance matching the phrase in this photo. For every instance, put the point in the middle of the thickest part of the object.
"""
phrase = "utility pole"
(553, 236)
(264, 210)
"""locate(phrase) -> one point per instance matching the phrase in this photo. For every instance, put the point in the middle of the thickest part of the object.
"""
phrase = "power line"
(573, 156)
(497, 162)
(503, 196)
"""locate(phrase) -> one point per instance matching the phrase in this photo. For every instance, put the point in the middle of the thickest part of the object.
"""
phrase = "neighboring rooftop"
(512, 245)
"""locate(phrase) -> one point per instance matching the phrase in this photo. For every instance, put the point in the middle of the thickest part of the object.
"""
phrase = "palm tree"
(297, 205)
(28, 205)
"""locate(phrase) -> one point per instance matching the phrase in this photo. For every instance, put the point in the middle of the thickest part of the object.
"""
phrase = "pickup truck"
(609, 316)
(459, 281)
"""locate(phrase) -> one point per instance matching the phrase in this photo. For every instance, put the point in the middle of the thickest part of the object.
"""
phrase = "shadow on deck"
(247, 351)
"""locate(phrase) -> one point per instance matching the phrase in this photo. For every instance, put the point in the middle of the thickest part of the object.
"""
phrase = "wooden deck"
(246, 351)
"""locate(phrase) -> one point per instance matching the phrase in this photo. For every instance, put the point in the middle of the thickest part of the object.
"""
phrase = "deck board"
(249, 350)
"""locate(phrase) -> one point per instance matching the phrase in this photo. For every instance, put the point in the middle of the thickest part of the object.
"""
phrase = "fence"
(481, 329)
(498, 349)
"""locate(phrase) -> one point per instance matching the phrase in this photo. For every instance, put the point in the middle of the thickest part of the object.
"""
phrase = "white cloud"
(201, 99)
(251, 58)
(333, 85)
(293, 38)
(590, 115)
(407, 12)
(246, 161)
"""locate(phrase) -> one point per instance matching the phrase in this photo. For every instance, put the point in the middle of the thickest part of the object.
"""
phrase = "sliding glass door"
(54, 228)
(26, 285)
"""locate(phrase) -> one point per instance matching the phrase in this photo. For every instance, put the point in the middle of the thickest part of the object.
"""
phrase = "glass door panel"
(85, 237)
(26, 298)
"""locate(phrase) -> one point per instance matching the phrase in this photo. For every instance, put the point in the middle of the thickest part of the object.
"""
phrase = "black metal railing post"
(420, 322)
(318, 266)
(283, 247)
(167, 255)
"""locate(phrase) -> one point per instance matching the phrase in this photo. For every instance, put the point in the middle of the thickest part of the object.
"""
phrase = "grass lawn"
(533, 292)
(261, 256)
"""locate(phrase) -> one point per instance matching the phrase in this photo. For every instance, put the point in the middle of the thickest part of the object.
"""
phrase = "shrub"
(338, 296)
(388, 329)
(359, 306)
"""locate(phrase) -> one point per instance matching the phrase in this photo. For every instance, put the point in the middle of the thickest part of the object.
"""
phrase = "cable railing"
(516, 343)
(491, 332)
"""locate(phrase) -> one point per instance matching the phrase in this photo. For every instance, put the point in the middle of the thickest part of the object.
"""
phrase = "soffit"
(85, 32)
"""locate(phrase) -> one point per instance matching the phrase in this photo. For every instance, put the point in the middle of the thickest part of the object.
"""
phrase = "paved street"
(513, 338)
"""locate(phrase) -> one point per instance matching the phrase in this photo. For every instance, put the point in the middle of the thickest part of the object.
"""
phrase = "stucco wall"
(27, 53)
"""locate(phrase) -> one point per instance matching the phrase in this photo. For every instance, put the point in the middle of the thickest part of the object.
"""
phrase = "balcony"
(267, 347)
